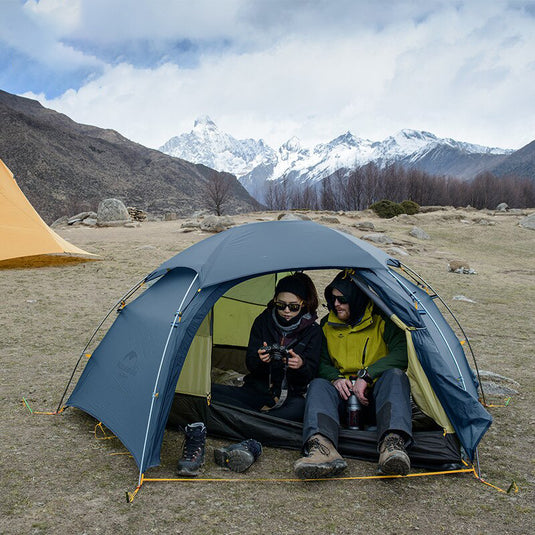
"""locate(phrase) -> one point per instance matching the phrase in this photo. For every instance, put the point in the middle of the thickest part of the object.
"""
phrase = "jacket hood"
(356, 299)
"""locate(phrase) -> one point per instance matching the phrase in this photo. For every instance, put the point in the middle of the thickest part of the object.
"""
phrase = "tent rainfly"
(26, 240)
(206, 298)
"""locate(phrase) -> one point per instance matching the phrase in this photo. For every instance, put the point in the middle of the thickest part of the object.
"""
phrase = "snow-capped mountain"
(255, 163)
(206, 144)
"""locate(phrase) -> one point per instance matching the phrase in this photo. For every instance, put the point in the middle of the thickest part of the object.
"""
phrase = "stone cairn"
(136, 214)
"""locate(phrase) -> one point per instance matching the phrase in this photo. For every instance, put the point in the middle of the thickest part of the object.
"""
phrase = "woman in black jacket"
(282, 355)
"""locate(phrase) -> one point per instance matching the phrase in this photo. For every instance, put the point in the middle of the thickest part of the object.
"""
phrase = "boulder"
(191, 224)
(502, 207)
(397, 251)
(291, 216)
(364, 225)
(417, 232)
(89, 222)
(112, 213)
(483, 221)
(214, 223)
(329, 219)
(528, 222)
(60, 222)
(78, 218)
(377, 238)
(494, 384)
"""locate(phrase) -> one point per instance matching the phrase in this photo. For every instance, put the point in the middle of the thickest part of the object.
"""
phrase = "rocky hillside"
(521, 163)
(64, 167)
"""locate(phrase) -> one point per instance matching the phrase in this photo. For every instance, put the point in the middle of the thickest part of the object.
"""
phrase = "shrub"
(387, 209)
(410, 207)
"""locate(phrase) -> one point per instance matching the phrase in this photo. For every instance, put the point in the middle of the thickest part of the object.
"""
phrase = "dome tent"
(169, 332)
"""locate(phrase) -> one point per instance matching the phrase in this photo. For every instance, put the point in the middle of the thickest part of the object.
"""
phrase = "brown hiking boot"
(393, 459)
(321, 459)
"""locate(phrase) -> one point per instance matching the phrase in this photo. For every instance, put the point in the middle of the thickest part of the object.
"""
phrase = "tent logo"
(128, 365)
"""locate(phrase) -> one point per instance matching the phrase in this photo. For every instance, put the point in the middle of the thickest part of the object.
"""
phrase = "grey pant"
(391, 402)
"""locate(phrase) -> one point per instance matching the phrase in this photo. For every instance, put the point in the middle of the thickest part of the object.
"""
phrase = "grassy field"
(57, 477)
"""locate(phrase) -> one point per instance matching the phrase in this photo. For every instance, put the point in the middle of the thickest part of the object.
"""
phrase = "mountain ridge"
(64, 167)
(310, 165)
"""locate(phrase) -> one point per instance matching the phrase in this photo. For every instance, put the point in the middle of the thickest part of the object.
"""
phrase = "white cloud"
(463, 70)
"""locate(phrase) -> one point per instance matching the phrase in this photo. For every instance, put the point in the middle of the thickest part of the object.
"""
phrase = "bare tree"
(218, 191)
(327, 197)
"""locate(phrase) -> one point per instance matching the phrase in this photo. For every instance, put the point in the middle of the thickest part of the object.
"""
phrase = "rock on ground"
(528, 222)
(112, 213)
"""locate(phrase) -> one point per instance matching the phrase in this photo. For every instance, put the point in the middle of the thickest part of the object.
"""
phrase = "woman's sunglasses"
(294, 307)
(341, 299)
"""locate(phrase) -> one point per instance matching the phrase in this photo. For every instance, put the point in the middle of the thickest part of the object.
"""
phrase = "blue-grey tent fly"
(129, 383)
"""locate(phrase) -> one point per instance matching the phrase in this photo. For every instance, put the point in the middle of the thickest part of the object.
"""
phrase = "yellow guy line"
(349, 478)
(131, 495)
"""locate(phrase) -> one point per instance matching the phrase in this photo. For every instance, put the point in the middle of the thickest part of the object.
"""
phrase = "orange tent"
(25, 239)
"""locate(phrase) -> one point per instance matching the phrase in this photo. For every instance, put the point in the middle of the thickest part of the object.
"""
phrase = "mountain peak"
(292, 145)
(408, 133)
(204, 121)
(348, 139)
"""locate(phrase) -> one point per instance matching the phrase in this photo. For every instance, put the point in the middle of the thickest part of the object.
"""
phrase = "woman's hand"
(294, 360)
(264, 356)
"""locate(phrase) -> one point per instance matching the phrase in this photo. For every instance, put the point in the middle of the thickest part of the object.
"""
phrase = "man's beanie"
(293, 284)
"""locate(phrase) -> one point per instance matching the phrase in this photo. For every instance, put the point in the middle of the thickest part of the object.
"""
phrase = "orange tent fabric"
(25, 239)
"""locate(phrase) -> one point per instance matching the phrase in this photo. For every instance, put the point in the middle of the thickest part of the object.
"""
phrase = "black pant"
(392, 404)
(250, 398)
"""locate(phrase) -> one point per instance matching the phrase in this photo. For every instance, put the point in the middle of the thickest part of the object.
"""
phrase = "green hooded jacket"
(374, 343)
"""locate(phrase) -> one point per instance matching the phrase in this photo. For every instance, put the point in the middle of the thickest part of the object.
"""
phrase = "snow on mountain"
(206, 144)
(255, 163)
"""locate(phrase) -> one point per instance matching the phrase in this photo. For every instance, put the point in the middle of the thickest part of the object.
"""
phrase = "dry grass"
(56, 478)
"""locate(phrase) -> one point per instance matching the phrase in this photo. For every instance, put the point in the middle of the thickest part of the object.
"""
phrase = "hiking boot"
(393, 459)
(321, 459)
(238, 457)
(192, 450)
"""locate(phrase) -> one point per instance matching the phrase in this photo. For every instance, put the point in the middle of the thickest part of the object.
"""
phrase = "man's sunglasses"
(281, 305)
(341, 299)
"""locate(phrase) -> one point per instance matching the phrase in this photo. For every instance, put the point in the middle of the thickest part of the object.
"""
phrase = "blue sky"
(274, 69)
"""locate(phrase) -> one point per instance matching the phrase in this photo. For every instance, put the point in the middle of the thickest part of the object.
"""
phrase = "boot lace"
(315, 445)
(191, 447)
(394, 443)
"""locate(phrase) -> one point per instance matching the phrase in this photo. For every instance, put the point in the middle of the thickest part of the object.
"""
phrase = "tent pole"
(372, 295)
(417, 277)
(436, 325)
(121, 301)
(176, 319)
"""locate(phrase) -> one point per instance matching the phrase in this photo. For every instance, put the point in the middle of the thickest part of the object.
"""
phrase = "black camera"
(277, 352)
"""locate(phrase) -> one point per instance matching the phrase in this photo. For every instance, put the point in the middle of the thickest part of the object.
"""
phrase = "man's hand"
(360, 391)
(294, 360)
(343, 386)
(346, 388)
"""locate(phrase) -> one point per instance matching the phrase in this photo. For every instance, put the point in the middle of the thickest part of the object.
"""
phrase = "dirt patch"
(58, 478)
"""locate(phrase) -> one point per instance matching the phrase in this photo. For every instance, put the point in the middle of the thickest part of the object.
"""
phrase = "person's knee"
(318, 385)
(394, 372)
(393, 375)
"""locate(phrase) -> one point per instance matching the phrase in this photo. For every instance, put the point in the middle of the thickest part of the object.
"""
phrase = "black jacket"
(305, 341)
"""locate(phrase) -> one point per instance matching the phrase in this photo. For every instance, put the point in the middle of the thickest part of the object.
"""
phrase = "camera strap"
(281, 399)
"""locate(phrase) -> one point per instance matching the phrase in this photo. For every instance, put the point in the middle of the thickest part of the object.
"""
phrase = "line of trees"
(359, 188)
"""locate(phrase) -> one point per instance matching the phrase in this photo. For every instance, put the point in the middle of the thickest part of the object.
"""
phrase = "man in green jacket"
(360, 341)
